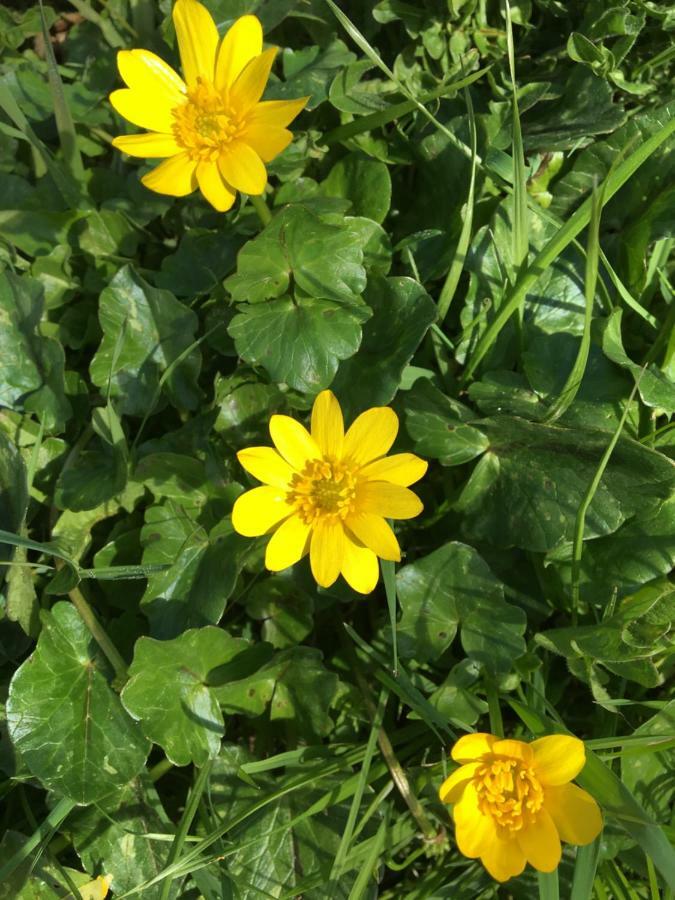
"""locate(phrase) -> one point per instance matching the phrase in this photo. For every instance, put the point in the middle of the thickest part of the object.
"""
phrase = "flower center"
(509, 791)
(204, 125)
(323, 489)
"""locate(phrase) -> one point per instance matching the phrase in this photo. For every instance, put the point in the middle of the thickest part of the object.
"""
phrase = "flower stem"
(262, 209)
(398, 776)
(98, 633)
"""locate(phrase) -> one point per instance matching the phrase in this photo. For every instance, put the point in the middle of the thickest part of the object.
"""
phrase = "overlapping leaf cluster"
(143, 341)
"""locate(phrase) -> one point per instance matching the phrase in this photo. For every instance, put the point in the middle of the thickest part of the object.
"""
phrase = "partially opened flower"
(513, 802)
(212, 126)
(329, 493)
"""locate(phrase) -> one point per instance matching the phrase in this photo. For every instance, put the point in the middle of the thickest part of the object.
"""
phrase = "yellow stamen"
(323, 489)
(508, 791)
(204, 125)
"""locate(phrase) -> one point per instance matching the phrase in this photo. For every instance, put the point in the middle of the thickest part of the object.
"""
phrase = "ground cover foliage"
(493, 263)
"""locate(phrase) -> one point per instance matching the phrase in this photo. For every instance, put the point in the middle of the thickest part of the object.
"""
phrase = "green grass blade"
(389, 579)
(569, 231)
(626, 295)
(347, 835)
(53, 821)
(185, 823)
(453, 276)
(66, 185)
(375, 58)
(574, 379)
(549, 888)
(521, 241)
(397, 110)
(367, 870)
(585, 867)
(64, 121)
(15, 540)
(580, 521)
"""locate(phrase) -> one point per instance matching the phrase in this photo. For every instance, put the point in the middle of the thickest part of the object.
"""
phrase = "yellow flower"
(213, 128)
(328, 494)
(513, 802)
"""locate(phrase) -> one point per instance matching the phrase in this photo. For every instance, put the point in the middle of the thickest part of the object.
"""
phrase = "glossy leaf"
(92, 748)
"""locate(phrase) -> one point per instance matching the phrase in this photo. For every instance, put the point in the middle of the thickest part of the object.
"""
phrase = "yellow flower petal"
(575, 813)
(135, 107)
(266, 465)
(514, 749)
(376, 534)
(277, 113)
(503, 859)
(558, 758)
(473, 831)
(96, 889)
(267, 142)
(250, 84)
(326, 552)
(241, 43)
(472, 747)
(175, 176)
(241, 167)
(288, 544)
(371, 435)
(197, 40)
(401, 468)
(212, 186)
(258, 510)
(149, 145)
(327, 424)
(389, 500)
(149, 75)
(293, 441)
(453, 787)
(540, 843)
(359, 567)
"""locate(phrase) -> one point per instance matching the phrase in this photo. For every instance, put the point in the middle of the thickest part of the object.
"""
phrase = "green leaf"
(655, 388)
(648, 771)
(374, 241)
(309, 71)
(23, 605)
(323, 260)
(91, 748)
(438, 425)
(168, 692)
(202, 260)
(299, 343)
(264, 859)
(626, 641)
(453, 586)
(144, 331)
(99, 476)
(402, 314)
(201, 575)
(31, 366)
(639, 551)
(546, 362)
(13, 492)
(116, 837)
(526, 489)
(296, 686)
(365, 182)
(286, 613)
(581, 107)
